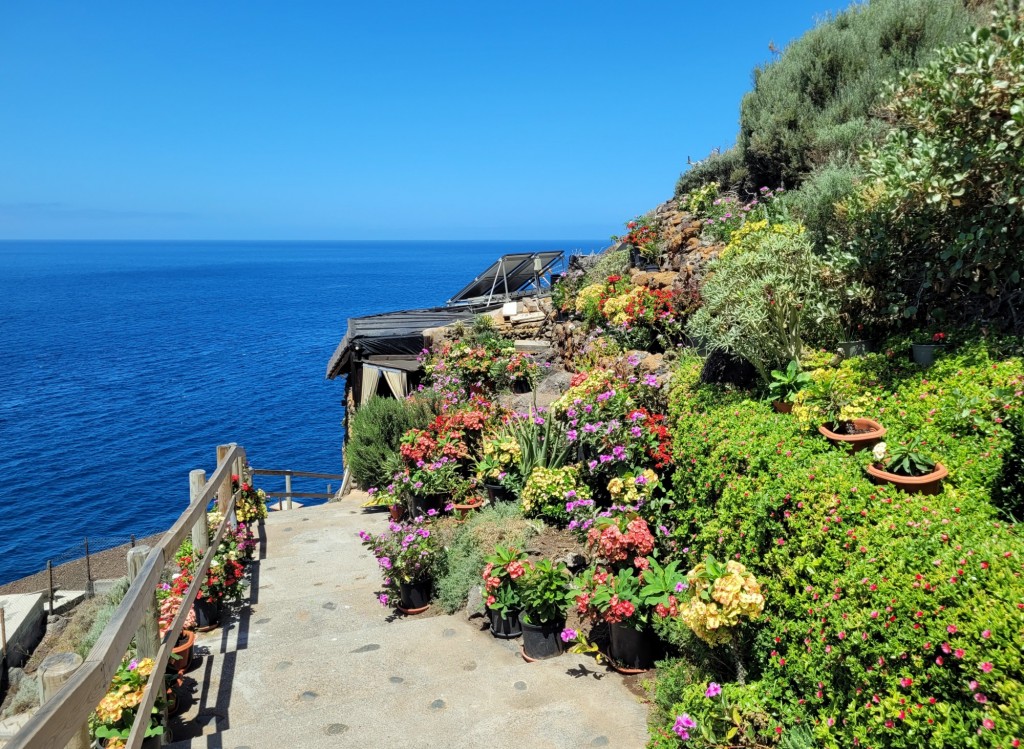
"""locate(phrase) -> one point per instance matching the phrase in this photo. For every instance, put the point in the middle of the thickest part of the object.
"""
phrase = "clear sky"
(379, 120)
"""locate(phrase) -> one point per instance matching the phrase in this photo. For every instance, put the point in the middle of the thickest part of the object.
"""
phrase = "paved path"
(316, 662)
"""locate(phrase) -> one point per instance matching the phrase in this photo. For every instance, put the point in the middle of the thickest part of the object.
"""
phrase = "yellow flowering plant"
(548, 490)
(832, 397)
(722, 597)
(118, 710)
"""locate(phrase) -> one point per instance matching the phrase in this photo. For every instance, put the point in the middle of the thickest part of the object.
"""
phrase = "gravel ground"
(72, 575)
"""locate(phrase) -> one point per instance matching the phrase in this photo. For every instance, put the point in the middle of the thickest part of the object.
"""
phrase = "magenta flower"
(713, 690)
(986, 667)
(569, 634)
(683, 725)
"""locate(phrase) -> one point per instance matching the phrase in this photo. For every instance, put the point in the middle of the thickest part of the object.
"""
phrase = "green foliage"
(891, 619)
(545, 592)
(906, 459)
(465, 545)
(724, 167)
(542, 442)
(786, 384)
(375, 432)
(764, 303)
(816, 203)
(811, 106)
(937, 225)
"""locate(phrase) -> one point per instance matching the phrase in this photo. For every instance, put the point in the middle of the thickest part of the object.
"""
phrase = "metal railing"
(288, 495)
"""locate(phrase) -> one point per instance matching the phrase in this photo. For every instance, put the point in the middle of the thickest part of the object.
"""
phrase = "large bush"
(892, 620)
(812, 104)
(375, 432)
(764, 300)
(937, 226)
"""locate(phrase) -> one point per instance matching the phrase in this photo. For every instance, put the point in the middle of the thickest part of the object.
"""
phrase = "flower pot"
(181, 657)
(861, 441)
(924, 353)
(521, 386)
(421, 505)
(465, 508)
(783, 407)
(542, 640)
(397, 512)
(415, 596)
(207, 614)
(851, 349)
(505, 628)
(498, 493)
(631, 648)
(930, 483)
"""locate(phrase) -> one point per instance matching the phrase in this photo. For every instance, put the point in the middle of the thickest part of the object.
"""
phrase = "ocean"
(124, 364)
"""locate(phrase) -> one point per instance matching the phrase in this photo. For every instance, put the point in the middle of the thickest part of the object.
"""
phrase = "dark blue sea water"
(124, 364)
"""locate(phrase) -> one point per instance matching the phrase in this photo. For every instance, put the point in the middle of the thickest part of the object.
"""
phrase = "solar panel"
(511, 274)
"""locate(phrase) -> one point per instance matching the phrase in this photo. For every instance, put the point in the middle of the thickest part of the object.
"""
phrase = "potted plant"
(497, 464)
(405, 554)
(924, 353)
(501, 588)
(626, 601)
(117, 712)
(831, 400)
(170, 604)
(906, 468)
(544, 594)
(785, 385)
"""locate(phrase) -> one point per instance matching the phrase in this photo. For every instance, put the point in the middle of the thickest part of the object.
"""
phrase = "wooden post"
(147, 638)
(88, 570)
(49, 572)
(201, 530)
(224, 490)
(288, 489)
(55, 671)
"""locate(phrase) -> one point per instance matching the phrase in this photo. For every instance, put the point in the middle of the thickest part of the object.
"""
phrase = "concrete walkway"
(316, 662)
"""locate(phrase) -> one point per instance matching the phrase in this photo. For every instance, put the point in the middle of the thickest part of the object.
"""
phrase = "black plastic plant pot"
(207, 614)
(498, 493)
(420, 505)
(631, 648)
(415, 595)
(542, 640)
(505, 627)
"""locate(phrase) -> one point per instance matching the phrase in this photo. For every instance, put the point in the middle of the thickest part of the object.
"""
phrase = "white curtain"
(398, 381)
(371, 376)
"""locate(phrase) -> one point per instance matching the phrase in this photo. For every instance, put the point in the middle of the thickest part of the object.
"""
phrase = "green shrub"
(816, 203)
(724, 167)
(762, 304)
(866, 588)
(811, 105)
(465, 545)
(937, 224)
(375, 432)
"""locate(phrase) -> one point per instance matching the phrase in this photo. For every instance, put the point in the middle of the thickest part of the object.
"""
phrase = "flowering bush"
(643, 235)
(547, 491)
(722, 596)
(405, 553)
(621, 540)
(251, 503)
(833, 397)
(170, 604)
(118, 710)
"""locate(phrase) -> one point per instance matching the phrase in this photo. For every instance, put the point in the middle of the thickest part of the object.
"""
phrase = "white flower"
(879, 452)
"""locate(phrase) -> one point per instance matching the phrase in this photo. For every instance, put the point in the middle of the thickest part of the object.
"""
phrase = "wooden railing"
(61, 718)
(287, 495)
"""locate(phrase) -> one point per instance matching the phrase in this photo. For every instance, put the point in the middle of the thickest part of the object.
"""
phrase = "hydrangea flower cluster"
(722, 598)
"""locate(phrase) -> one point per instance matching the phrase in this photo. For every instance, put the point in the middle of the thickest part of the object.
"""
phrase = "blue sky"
(335, 120)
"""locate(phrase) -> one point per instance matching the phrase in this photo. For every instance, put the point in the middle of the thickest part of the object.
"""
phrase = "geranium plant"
(501, 579)
(632, 595)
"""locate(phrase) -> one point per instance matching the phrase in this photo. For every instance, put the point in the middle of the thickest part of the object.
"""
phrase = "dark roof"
(390, 333)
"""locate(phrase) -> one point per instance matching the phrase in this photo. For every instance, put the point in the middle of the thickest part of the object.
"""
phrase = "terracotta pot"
(397, 512)
(182, 653)
(930, 483)
(857, 442)
(464, 509)
(783, 407)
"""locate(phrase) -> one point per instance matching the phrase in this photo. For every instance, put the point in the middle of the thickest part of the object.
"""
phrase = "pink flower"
(989, 724)
(951, 629)
(713, 690)
(979, 697)
(986, 667)
(986, 634)
(906, 682)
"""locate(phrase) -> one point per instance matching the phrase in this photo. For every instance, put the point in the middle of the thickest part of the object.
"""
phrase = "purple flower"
(592, 464)
(619, 452)
(384, 562)
(538, 420)
(636, 431)
(681, 586)
(640, 480)
(589, 428)
(713, 690)
(383, 598)
(364, 535)
(418, 485)
(569, 634)
(372, 490)
(571, 435)
(633, 360)
(683, 725)
(431, 512)
(651, 381)
(604, 458)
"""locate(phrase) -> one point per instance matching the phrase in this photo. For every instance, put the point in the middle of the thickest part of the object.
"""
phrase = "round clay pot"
(181, 657)
(930, 483)
(463, 510)
(857, 442)
(397, 512)
(783, 407)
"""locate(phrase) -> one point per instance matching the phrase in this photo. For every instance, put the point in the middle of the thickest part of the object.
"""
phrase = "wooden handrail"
(57, 720)
(300, 474)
